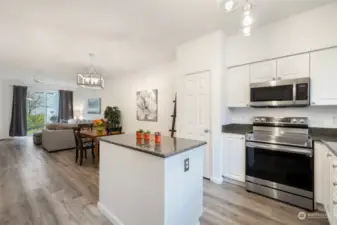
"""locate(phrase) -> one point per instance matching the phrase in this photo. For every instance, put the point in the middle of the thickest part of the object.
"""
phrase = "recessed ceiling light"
(228, 5)
(246, 31)
(247, 21)
(247, 8)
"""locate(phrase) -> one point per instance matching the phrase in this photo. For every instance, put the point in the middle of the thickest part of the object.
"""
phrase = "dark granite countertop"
(168, 146)
(235, 128)
(328, 136)
(325, 134)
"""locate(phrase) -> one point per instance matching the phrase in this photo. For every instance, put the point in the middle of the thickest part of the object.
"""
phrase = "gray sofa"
(58, 136)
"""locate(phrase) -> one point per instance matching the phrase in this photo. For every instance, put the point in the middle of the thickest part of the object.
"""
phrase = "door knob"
(206, 131)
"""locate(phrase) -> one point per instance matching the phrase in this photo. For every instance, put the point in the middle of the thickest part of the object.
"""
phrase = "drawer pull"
(334, 202)
(328, 155)
(334, 184)
(334, 166)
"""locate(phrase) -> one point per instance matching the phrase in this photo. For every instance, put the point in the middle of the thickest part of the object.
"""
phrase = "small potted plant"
(147, 135)
(139, 142)
(99, 124)
(113, 117)
(139, 134)
(157, 137)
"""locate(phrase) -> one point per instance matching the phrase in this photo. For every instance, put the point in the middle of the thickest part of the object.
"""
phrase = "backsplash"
(319, 116)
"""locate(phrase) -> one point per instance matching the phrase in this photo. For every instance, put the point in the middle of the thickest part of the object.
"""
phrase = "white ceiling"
(52, 38)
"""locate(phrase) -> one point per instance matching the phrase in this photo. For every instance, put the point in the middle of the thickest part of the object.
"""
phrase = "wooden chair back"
(85, 126)
(75, 131)
(78, 138)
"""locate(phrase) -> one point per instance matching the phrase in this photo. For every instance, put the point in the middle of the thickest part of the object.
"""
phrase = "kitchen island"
(144, 183)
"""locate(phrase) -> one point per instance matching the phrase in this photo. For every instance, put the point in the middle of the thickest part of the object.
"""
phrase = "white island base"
(137, 188)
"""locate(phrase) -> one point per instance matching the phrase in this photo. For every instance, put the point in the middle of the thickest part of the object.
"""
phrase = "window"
(42, 108)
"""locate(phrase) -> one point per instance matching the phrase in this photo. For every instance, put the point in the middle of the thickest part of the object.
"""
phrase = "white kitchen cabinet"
(293, 67)
(263, 71)
(320, 166)
(323, 74)
(326, 180)
(234, 160)
(238, 87)
(333, 189)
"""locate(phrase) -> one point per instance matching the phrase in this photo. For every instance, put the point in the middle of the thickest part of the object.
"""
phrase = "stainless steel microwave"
(280, 93)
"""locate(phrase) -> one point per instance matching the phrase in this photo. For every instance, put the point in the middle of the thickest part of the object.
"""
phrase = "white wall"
(312, 30)
(207, 53)
(6, 98)
(308, 31)
(81, 96)
(121, 92)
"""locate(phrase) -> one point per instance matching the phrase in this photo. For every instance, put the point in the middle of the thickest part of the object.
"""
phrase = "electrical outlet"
(186, 164)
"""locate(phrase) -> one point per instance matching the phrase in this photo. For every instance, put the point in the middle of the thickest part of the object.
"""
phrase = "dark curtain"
(66, 110)
(18, 125)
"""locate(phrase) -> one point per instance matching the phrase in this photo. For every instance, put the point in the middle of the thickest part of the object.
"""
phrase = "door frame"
(179, 121)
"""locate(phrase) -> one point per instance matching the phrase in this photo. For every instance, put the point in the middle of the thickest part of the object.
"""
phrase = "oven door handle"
(280, 148)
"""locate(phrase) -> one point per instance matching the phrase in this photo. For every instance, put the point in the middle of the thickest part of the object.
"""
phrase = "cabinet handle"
(313, 103)
(241, 138)
(279, 78)
(334, 202)
(334, 166)
(273, 78)
(328, 155)
(334, 184)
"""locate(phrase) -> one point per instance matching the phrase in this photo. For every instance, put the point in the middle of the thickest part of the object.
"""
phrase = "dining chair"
(86, 126)
(82, 146)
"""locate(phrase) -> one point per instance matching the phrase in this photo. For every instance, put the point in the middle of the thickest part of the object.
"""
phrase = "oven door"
(286, 168)
(273, 94)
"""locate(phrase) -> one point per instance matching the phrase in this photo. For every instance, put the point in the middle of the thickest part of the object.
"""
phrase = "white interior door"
(195, 112)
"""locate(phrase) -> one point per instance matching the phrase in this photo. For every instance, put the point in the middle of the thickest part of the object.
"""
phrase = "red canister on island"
(157, 137)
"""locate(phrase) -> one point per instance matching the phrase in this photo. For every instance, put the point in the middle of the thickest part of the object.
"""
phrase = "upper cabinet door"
(238, 87)
(293, 67)
(263, 71)
(323, 74)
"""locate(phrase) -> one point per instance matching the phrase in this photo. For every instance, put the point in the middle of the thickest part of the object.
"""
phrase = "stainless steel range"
(279, 160)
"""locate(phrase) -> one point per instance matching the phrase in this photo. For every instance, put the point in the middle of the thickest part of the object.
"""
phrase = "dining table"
(95, 135)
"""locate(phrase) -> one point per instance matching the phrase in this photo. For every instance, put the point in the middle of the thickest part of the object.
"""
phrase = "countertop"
(328, 136)
(168, 146)
(235, 128)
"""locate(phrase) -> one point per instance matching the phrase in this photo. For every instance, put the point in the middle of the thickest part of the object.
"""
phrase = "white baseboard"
(235, 182)
(112, 218)
(217, 180)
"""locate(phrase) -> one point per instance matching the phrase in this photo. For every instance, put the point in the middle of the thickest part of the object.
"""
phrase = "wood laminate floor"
(50, 189)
